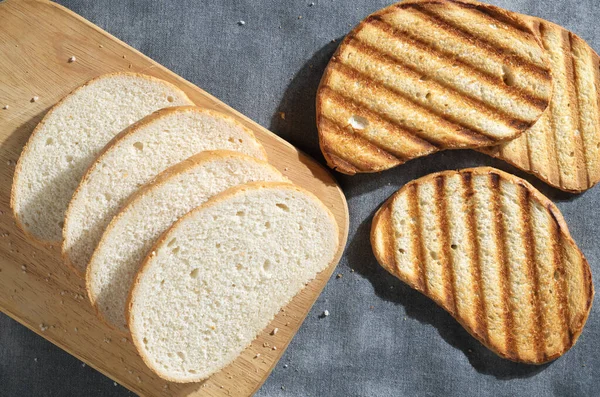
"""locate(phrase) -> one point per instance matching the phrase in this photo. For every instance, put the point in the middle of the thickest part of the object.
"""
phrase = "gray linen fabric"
(381, 338)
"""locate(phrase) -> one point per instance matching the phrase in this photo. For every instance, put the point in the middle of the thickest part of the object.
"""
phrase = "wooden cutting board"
(37, 38)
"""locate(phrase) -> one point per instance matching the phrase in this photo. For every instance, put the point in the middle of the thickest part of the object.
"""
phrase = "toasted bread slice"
(420, 76)
(495, 253)
(563, 147)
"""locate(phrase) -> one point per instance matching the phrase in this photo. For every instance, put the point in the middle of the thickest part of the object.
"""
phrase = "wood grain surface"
(37, 38)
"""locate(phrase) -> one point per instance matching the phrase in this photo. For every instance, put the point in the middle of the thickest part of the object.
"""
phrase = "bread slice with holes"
(69, 138)
(495, 253)
(221, 273)
(420, 76)
(563, 147)
(133, 158)
(152, 210)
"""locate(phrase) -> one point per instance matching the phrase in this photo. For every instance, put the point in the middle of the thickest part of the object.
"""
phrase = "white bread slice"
(152, 210)
(68, 139)
(219, 275)
(133, 158)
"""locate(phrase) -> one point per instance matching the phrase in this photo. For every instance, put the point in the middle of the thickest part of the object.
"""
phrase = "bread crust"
(383, 246)
(132, 129)
(165, 236)
(171, 172)
(35, 133)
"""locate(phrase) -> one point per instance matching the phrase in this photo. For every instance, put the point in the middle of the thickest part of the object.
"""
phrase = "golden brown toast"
(563, 147)
(420, 76)
(495, 253)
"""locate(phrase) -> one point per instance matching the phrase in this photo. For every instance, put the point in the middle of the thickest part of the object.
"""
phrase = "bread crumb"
(76, 330)
(326, 313)
(241, 23)
(106, 340)
(351, 270)
(285, 365)
(257, 355)
(35, 359)
(275, 330)
(282, 387)
(63, 292)
(124, 340)
(339, 275)
(311, 4)
(114, 383)
(274, 348)
(139, 379)
(83, 365)
(266, 344)
(130, 65)
(35, 98)
(43, 327)
(282, 115)
(100, 46)
(5, 107)
(24, 268)
(124, 57)
(72, 59)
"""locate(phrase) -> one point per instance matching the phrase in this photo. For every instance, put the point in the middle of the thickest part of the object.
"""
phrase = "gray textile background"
(382, 338)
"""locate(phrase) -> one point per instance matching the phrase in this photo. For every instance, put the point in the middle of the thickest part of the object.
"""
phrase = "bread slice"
(219, 275)
(495, 253)
(152, 210)
(420, 76)
(68, 139)
(133, 158)
(563, 147)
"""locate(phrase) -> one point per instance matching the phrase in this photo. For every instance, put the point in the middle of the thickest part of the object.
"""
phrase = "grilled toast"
(495, 253)
(563, 147)
(420, 76)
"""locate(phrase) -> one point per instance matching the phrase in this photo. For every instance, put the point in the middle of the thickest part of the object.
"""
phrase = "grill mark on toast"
(582, 170)
(560, 281)
(496, 15)
(475, 262)
(403, 131)
(510, 56)
(413, 202)
(446, 260)
(524, 196)
(366, 145)
(497, 115)
(479, 138)
(511, 91)
(504, 279)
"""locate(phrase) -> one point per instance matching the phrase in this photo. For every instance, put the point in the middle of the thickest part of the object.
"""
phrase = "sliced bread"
(133, 158)
(69, 138)
(495, 253)
(424, 75)
(221, 273)
(152, 210)
(563, 147)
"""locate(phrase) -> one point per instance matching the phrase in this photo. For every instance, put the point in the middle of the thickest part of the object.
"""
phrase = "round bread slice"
(133, 158)
(420, 76)
(563, 147)
(69, 138)
(495, 253)
(221, 273)
(151, 211)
